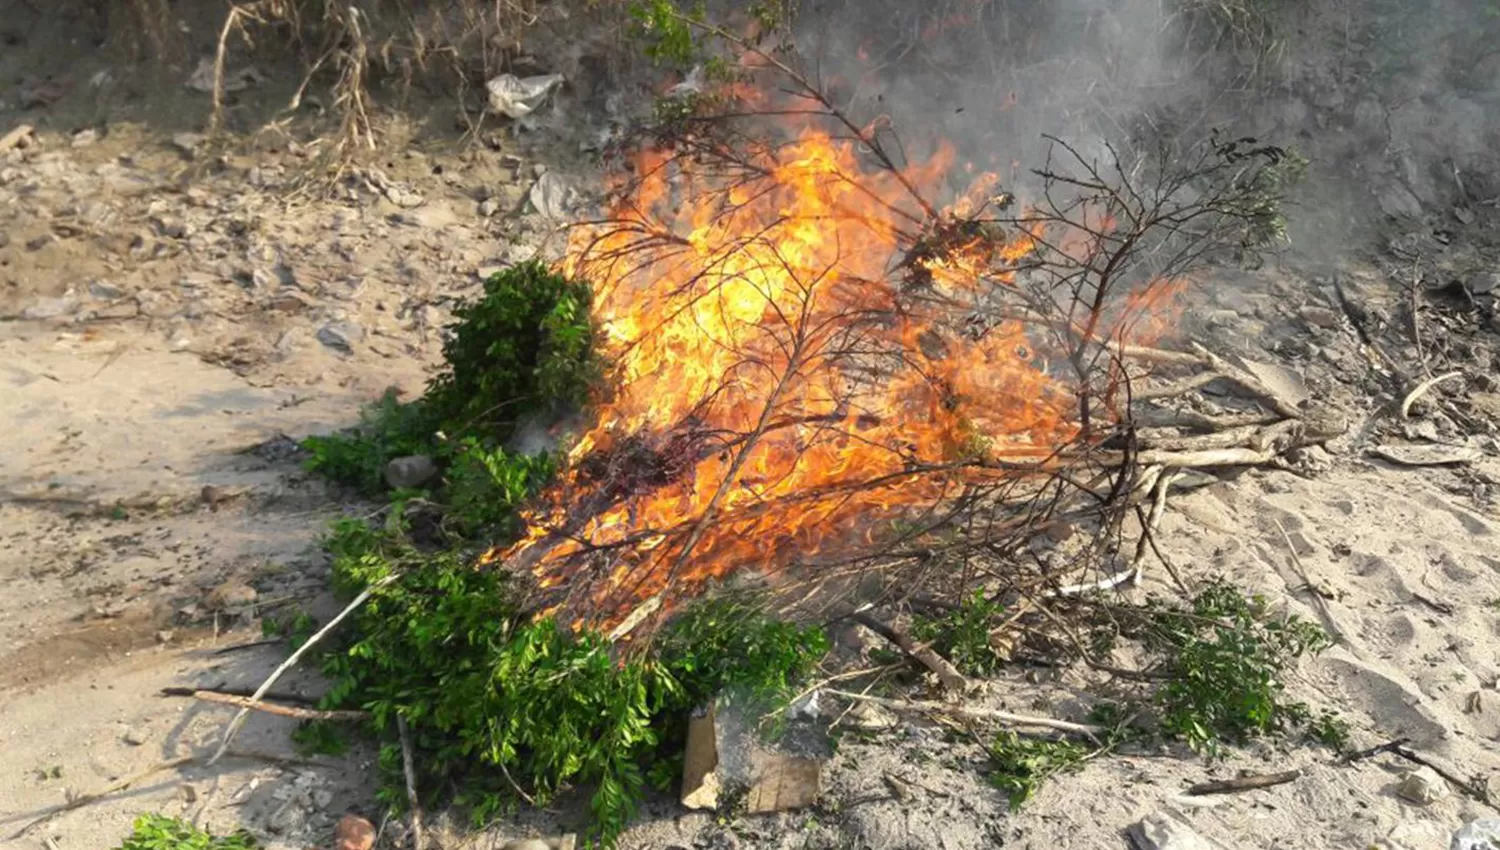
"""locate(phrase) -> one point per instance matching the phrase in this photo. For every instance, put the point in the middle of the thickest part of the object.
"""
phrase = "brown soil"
(173, 312)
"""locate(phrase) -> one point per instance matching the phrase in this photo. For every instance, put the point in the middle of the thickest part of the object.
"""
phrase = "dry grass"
(346, 51)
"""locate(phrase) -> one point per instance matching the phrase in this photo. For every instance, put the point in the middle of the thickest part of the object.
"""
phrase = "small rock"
(85, 137)
(322, 798)
(1422, 786)
(231, 595)
(50, 308)
(1161, 832)
(1481, 834)
(488, 207)
(288, 819)
(288, 302)
(164, 636)
(1321, 317)
(155, 304)
(136, 736)
(104, 291)
(404, 198)
(1483, 283)
(487, 272)
(188, 143)
(409, 472)
(1397, 201)
(1310, 460)
(341, 336)
(869, 717)
(353, 833)
(527, 844)
(172, 227)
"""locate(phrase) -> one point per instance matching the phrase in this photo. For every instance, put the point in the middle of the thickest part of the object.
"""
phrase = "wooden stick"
(275, 696)
(282, 710)
(922, 653)
(1398, 748)
(417, 840)
(1230, 438)
(1244, 783)
(1087, 730)
(239, 719)
(1327, 615)
(1422, 389)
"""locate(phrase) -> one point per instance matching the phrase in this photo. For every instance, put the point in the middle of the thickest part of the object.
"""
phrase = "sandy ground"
(172, 314)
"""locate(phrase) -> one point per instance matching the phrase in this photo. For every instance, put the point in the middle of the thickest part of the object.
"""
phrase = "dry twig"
(968, 712)
(239, 719)
(1400, 749)
(1421, 390)
(1244, 783)
(418, 840)
(292, 711)
(952, 680)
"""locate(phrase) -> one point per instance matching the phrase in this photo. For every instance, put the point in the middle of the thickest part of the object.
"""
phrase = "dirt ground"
(174, 315)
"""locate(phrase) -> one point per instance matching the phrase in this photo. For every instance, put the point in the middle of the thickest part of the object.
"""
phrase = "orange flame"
(779, 394)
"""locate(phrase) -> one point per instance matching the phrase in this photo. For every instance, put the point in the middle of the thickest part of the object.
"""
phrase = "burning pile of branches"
(831, 362)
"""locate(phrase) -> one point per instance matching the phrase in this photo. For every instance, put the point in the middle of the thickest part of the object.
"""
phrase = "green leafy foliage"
(489, 692)
(1330, 730)
(357, 457)
(666, 31)
(1224, 657)
(963, 636)
(1019, 765)
(526, 345)
(486, 486)
(321, 738)
(159, 832)
(295, 627)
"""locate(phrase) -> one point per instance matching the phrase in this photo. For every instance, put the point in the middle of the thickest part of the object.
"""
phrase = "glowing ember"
(794, 373)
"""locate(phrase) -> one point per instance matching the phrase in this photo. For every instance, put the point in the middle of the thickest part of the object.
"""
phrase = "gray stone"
(1321, 317)
(104, 290)
(173, 227)
(288, 819)
(231, 595)
(135, 736)
(50, 308)
(404, 198)
(155, 304)
(1422, 786)
(1164, 832)
(1481, 834)
(488, 207)
(1397, 201)
(1484, 283)
(410, 472)
(341, 336)
(188, 143)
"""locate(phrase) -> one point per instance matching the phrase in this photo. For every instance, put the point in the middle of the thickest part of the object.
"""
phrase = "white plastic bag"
(516, 97)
